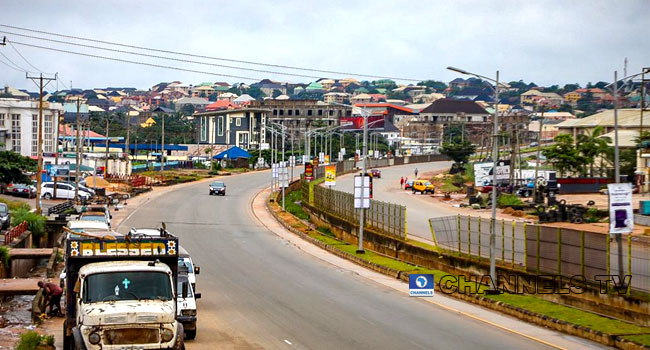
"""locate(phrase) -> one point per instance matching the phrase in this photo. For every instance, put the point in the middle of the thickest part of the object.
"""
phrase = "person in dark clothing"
(53, 295)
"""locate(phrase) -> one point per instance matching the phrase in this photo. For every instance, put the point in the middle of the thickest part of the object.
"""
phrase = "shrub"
(29, 340)
(449, 188)
(35, 222)
(508, 200)
(4, 256)
(15, 205)
(48, 340)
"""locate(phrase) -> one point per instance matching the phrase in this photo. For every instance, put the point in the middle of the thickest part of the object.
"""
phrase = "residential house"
(535, 97)
(19, 125)
(571, 98)
(198, 103)
(427, 98)
(361, 98)
(243, 99)
(269, 86)
(10, 92)
(242, 127)
(445, 112)
(459, 83)
(336, 97)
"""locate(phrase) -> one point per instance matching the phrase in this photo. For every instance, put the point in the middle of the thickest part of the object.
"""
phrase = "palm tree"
(592, 145)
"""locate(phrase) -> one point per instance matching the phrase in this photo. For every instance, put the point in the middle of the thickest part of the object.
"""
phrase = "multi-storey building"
(19, 126)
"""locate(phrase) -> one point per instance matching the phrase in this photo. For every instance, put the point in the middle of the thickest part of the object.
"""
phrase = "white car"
(63, 190)
(186, 306)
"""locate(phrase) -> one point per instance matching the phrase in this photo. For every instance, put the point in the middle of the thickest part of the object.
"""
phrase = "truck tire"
(180, 344)
(190, 334)
(78, 340)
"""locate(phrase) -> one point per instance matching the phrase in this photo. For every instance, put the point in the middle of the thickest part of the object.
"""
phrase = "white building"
(19, 126)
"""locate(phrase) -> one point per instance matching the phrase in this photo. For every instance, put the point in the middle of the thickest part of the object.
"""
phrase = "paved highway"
(258, 291)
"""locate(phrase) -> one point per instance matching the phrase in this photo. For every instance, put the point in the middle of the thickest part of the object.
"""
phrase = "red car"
(408, 185)
(375, 173)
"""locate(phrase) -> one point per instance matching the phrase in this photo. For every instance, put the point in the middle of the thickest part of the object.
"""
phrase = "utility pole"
(360, 249)
(106, 150)
(127, 144)
(162, 148)
(39, 151)
(78, 144)
(56, 150)
(284, 166)
(539, 148)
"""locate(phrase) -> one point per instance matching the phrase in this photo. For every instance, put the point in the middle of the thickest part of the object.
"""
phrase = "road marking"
(288, 342)
(448, 308)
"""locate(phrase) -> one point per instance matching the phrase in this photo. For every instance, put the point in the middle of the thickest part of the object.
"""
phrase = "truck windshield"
(132, 285)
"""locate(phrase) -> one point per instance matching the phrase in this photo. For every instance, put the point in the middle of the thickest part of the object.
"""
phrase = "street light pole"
(360, 249)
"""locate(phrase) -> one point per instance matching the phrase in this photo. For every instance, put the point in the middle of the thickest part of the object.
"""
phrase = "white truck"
(121, 293)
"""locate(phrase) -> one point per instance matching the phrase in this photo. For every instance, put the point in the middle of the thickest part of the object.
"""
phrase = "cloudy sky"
(547, 42)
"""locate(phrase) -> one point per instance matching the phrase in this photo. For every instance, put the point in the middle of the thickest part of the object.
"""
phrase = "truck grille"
(131, 336)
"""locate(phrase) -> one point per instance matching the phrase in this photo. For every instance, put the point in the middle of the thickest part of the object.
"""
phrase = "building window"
(331, 112)
(2, 120)
(220, 126)
(238, 121)
(275, 112)
(320, 112)
(297, 112)
(310, 112)
(204, 129)
(282, 112)
(289, 111)
(15, 132)
(34, 134)
(47, 131)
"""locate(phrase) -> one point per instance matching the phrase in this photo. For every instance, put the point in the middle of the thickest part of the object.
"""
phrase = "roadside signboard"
(260, 161)
(483, 173)
(621, 215)
(264, 146)
(340, 157)
(309, 171)
(376, 154)
(321, 157)
(327, 159)
(361, 192)
(315, 161)
(305, 159)
(330, 175)
(283, 175)
(292, 161)
(343, 151)
(274, 170)
(421, 285)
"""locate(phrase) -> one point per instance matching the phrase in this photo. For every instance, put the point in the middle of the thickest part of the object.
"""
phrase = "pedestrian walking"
(401, 182)
(416, 173)
(53, 295)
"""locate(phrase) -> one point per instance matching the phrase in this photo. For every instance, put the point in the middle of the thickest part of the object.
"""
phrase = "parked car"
(423, 187)
(82, 187)
(186, 306)
(21, 190)
(5, 217)
(408, 184)
(218, 188)
(375, 173)
(98, 216)
(488, 188)
(63, 190)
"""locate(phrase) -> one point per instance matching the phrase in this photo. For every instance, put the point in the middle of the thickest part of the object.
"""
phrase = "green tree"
(276, 93)
(13, 167)
(564, 156)
(256, 93)
(437, 86)
(591, 146)
(459, 152)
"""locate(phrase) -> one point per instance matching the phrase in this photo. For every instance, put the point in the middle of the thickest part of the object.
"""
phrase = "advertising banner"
(621, 215)
(361, 192)
(330, 175)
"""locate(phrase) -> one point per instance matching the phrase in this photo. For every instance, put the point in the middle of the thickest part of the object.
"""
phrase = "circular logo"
(421, 282)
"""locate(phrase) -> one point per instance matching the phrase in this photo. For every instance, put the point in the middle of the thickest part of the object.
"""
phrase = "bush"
(15, 205)
(448, 187)
(35, 222)
(4, 256)
(509, 200)
(31, 340)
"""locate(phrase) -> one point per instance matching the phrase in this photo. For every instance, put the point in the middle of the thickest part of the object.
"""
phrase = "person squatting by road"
(53, 295)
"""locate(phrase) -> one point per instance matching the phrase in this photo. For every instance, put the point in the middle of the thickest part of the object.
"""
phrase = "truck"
(120, 292)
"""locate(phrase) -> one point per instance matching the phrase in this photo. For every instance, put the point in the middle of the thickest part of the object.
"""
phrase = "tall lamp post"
(495, 157)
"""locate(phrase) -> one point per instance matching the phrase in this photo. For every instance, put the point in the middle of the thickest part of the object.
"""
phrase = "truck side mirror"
(197, 295)
(184, 292)
(197, 270)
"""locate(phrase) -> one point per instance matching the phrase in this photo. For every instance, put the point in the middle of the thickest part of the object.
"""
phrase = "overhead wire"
(214, 58)
(135, 62)
(25, 59)
(15, 66)
(160, 57)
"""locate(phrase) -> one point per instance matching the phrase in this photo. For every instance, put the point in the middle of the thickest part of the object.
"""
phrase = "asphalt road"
(260, 292)
(387, 189)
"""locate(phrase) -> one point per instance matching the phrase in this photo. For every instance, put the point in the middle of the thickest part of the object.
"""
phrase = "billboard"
(356, 122)
(330, 175)
(309, 171)
(621, 214)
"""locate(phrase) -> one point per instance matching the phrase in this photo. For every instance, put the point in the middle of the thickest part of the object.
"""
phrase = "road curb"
(514, 311)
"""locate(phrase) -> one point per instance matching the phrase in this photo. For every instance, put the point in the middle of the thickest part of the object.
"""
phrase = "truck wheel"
(47, 196)
(190, 334)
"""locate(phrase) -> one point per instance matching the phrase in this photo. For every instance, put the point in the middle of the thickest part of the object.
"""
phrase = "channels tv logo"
(421, 285)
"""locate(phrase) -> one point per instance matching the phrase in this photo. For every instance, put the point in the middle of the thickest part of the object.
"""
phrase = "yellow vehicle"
(423, 187)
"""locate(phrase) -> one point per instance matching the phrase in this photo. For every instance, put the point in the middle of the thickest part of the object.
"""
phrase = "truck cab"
(121, 293)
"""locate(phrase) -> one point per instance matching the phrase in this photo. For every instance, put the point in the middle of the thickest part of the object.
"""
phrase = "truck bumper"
(189, 322)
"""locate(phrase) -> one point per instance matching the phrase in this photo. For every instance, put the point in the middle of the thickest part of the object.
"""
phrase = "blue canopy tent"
(232, 153)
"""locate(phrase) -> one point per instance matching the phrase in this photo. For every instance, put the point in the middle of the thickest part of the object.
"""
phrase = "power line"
(24, 59)
(211, 57)
(161, 57)
(14, 68)
(17, 67)
(135, 62)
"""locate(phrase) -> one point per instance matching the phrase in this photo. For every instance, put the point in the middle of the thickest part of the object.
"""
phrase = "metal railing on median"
(544, 249)
(15, 232)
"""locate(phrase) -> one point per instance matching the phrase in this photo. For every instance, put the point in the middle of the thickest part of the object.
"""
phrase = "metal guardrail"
(15, 232)
(542, 249)
(60, 208)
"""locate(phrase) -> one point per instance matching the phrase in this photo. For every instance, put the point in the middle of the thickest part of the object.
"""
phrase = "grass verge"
(530, 303)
